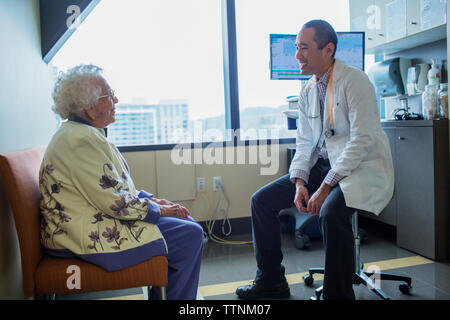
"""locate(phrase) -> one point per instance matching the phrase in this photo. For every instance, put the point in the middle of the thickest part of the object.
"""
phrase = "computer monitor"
(284, 66)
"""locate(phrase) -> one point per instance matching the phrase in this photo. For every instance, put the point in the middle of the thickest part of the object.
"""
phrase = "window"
(164, 60)
(261, 100)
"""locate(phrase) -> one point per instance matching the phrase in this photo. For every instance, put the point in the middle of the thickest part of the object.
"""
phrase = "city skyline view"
(168, 123)
(171, 50)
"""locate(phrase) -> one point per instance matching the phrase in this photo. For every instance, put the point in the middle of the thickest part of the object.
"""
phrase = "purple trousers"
(184, 239)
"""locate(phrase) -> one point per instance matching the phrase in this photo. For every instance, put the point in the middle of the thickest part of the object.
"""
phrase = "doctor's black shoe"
(259, 290)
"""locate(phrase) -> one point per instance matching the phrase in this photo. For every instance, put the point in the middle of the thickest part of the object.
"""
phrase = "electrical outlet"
(201, 184)
(217, 183)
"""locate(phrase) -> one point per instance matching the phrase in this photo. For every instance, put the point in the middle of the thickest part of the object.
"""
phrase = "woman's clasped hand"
(170, 209)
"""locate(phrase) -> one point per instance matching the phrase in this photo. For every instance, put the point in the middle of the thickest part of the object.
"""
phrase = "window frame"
(230, 89)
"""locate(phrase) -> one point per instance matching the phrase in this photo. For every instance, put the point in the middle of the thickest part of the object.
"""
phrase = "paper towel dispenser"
(389, 76)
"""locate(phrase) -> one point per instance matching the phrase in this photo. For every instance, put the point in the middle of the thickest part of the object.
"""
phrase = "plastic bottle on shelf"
(434, 74)
(443, 100)
(430, 102)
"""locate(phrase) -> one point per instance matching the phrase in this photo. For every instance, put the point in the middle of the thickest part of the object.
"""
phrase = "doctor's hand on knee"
(318, 198)
(301, 194)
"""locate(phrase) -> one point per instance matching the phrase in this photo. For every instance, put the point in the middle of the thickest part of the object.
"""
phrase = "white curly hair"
(74, 92)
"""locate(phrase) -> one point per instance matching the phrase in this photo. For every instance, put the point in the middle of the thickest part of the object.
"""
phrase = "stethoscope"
(328, 132)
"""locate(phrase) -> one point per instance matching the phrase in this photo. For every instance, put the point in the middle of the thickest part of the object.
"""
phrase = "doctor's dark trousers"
(335, 224)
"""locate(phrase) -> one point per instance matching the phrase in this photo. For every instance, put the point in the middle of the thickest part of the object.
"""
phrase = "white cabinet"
(433, 13)
(413, 20)
(395, 25)
(423, 15)
(395, 11)
(369, 16)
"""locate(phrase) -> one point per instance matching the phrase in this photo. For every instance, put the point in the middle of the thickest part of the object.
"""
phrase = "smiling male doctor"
(342, 163)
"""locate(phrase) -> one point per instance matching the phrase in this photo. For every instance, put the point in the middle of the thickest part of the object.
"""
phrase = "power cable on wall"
(212, 217)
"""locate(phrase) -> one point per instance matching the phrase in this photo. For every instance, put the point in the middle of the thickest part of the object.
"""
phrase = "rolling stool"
(361, 276)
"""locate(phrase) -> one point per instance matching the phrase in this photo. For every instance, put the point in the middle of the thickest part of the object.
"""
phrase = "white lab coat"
(359, 149)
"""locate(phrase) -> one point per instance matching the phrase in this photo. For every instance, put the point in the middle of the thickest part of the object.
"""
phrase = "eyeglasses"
(110, 95)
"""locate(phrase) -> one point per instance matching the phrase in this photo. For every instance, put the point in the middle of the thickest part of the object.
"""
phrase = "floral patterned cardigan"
(90, 207)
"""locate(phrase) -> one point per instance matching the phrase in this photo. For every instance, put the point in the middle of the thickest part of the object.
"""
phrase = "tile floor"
(224, 267)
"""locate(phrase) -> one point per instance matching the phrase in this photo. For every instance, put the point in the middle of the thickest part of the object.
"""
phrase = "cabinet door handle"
(413, 23)
(401, 138)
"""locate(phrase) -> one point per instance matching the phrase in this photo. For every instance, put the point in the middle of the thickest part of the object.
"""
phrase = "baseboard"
(238, 226)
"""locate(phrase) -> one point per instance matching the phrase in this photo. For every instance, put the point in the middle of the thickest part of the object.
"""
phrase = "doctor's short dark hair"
(324, 33)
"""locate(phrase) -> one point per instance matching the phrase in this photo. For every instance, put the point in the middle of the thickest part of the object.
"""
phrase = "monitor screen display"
(284, 65)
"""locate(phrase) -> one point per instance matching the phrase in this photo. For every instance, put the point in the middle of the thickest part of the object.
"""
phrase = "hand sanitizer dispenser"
(434, 74)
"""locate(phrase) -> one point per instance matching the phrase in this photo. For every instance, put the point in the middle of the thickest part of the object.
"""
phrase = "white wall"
(239, 180)
(26, 119)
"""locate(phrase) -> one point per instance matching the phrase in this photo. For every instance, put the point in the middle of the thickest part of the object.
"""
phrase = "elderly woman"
(90, 207)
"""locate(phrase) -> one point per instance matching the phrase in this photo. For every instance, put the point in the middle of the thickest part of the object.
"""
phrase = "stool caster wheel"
(308, 280)
(302, 241)
(405, 288)
(318, 293)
